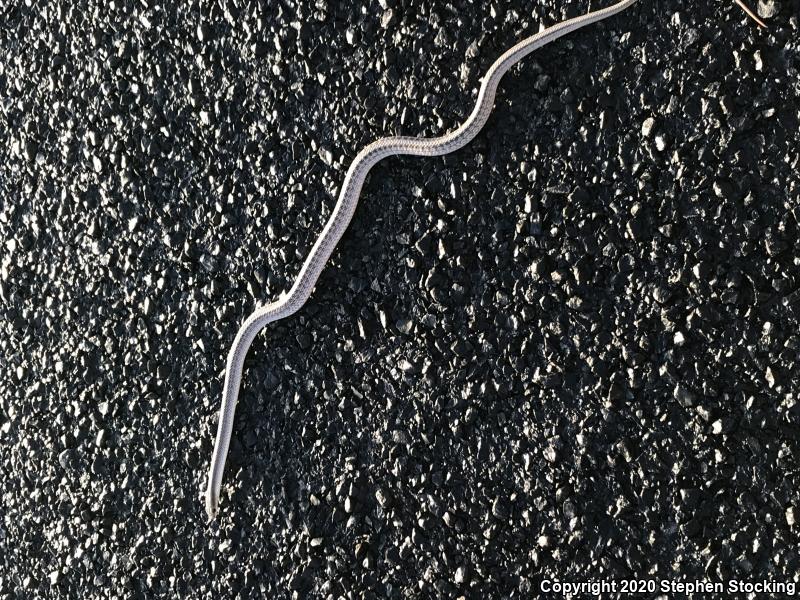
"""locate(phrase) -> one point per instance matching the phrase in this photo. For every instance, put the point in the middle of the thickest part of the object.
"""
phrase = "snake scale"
(343, 211)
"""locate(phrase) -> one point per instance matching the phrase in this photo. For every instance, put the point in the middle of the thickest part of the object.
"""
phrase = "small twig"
(751, 14)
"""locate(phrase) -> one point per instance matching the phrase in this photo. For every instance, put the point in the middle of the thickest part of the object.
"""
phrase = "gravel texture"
(569, 350)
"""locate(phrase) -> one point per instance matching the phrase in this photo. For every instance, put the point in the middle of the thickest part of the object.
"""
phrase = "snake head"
(212, 505)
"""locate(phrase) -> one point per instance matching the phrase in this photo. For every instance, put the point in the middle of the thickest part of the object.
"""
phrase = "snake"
(342, 213)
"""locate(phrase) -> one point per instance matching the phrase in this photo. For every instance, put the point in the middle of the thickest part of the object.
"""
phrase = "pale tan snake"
(343, 212)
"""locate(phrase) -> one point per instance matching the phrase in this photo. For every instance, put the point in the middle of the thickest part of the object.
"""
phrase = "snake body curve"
(343, 212)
